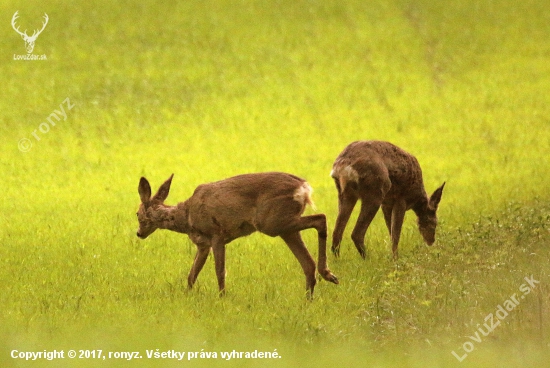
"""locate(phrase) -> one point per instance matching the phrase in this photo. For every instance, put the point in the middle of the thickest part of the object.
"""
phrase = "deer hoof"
(329, 276)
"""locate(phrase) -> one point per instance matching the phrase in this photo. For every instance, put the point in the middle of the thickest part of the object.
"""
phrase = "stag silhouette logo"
(29, 40)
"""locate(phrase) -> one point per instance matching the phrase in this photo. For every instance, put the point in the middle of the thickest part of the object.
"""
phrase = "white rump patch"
(346, 174)
(302, 195)
(350, 174)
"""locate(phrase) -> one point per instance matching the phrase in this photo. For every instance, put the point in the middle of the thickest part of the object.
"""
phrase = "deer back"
(242, 204)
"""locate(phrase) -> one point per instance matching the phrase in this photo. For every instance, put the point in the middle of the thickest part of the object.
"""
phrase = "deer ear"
(163, 191)
(436, 197)
(144, 190)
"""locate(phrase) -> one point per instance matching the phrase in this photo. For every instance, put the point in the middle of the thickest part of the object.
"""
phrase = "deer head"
(150, 216)
(427, 219)
(29, 40)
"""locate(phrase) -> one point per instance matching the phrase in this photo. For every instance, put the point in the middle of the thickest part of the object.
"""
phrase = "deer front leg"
(346, 203)
(368, 211)
(397, 217)
(218, 247)
(198, 263)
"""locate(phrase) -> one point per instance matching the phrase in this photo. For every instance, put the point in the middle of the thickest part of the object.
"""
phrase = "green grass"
(211, 89)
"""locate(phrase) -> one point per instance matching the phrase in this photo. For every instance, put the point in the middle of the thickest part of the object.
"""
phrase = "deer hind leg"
(319, 223)
(198, 263)
(387, 209)
(368, 211)
(346, 203)
(218, 247)
(287, 220)
(298, 248)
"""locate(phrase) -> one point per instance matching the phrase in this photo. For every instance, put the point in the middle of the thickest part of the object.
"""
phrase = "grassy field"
(211, 89)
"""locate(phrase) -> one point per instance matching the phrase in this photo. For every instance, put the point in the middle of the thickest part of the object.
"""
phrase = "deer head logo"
(29, 40)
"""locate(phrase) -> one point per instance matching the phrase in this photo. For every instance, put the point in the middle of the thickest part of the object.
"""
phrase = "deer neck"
(173, 218)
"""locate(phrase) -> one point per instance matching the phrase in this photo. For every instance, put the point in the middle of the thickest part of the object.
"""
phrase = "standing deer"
(381, 174)
(219, 212)
(29, 40)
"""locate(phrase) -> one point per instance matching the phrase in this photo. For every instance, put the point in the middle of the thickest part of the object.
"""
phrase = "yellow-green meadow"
(211, 89)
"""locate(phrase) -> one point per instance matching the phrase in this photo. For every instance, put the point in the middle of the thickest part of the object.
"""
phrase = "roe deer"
(219, 212)
(381, 174)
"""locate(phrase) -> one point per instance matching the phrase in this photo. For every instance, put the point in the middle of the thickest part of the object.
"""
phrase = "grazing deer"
(381, 174)
(219, 212)
(29, 40)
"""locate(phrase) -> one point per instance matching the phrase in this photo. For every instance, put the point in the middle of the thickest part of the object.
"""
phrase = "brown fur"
(219, 212)
(381, 174)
